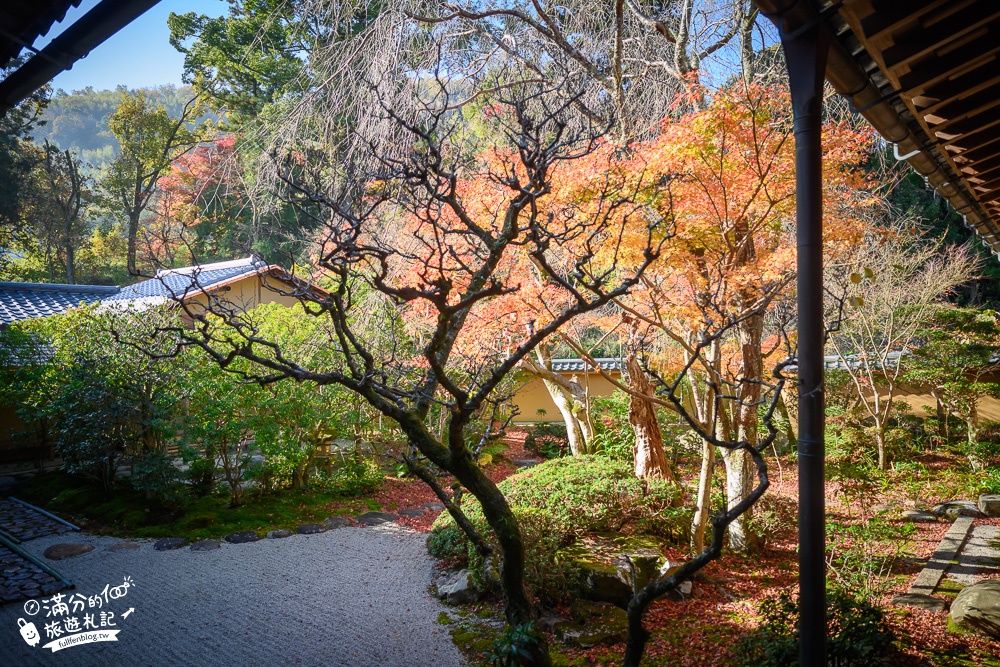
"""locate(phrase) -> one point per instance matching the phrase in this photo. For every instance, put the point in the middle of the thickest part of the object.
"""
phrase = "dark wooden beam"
(961, 87)
(968, 125)
(891, 15)
(984, 164)
(924, 42)
(966, 108)
(974, 148)
(933, 70)
(988, 185)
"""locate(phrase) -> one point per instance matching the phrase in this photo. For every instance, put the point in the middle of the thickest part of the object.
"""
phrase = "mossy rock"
(599, 568)
(593, 623)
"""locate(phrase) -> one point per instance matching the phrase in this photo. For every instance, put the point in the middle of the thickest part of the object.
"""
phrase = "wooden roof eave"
(877, 102)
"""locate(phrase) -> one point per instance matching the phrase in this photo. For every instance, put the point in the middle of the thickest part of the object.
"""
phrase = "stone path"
(26, 524)
(21, 579)
(966, 555)
(354, 597)
(979, 558)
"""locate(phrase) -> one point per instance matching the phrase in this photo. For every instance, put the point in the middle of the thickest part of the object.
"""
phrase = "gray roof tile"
(25, 301)
(578, 365)
(179, 283)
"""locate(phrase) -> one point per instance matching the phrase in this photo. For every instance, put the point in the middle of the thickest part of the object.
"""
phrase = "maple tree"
(420, 243)
(201, 210)
(958, 359)
(702, 310)
(882, 296)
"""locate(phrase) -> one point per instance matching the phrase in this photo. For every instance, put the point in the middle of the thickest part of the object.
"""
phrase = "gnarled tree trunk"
(650, 460)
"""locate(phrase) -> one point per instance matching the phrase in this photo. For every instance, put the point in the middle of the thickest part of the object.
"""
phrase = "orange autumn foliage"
(720, 180)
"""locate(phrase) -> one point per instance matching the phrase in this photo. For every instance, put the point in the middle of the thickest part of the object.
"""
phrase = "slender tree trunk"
(704, 403)
(574, 430)
(571, 400)
(883, 462)
(972, 427)
(739, 482)
(133, 241)
(941, 415)
(703, 508)
(740, 469)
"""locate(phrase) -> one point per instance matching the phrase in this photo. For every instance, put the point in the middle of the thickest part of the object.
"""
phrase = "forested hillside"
(78, 120)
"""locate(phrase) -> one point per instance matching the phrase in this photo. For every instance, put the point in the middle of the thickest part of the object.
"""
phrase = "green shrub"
(357, 475)
(514, 647)
(862, 555)
(548, 439)
(857, 634)
(155, 474)
(561, 500)
(201, 470)
(613, 435)
(990, 482)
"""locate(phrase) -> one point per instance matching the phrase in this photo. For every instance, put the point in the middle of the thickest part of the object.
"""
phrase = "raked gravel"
(979, 558)
(352, 596)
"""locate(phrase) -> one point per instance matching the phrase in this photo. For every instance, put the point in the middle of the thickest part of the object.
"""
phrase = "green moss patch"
(129, 513)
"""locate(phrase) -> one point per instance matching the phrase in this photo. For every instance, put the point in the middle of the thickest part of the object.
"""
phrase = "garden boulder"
(956, 508)
(593, 623)
(977, 608)
(375, 518)
(989, 504)
(67, 550)
(458, 588)
(601, 567)
(311, 529)
(170, 543)
(242, 537)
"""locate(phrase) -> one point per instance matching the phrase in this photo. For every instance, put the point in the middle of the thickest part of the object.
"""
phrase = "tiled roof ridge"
(59, 287)
(576, 364)
(251, 261)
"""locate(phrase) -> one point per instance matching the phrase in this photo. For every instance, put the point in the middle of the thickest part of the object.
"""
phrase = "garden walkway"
(351, 596)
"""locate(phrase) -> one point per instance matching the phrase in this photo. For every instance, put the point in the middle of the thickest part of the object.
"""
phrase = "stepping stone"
(170, 543)
(434, 507)
(919, 516)
(242, 537)
(375, 518)
(68, 550)
(882, 509)
(311, 529)
(989, 504)
(205, 545)
(412, 512)
(124, 546)
(526, 463)
(278, 534)
(918, 601)
(337, 522)
(942, 558)
(7, 482)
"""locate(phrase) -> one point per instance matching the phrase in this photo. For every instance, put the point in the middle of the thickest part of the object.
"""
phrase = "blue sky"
(138, 56)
